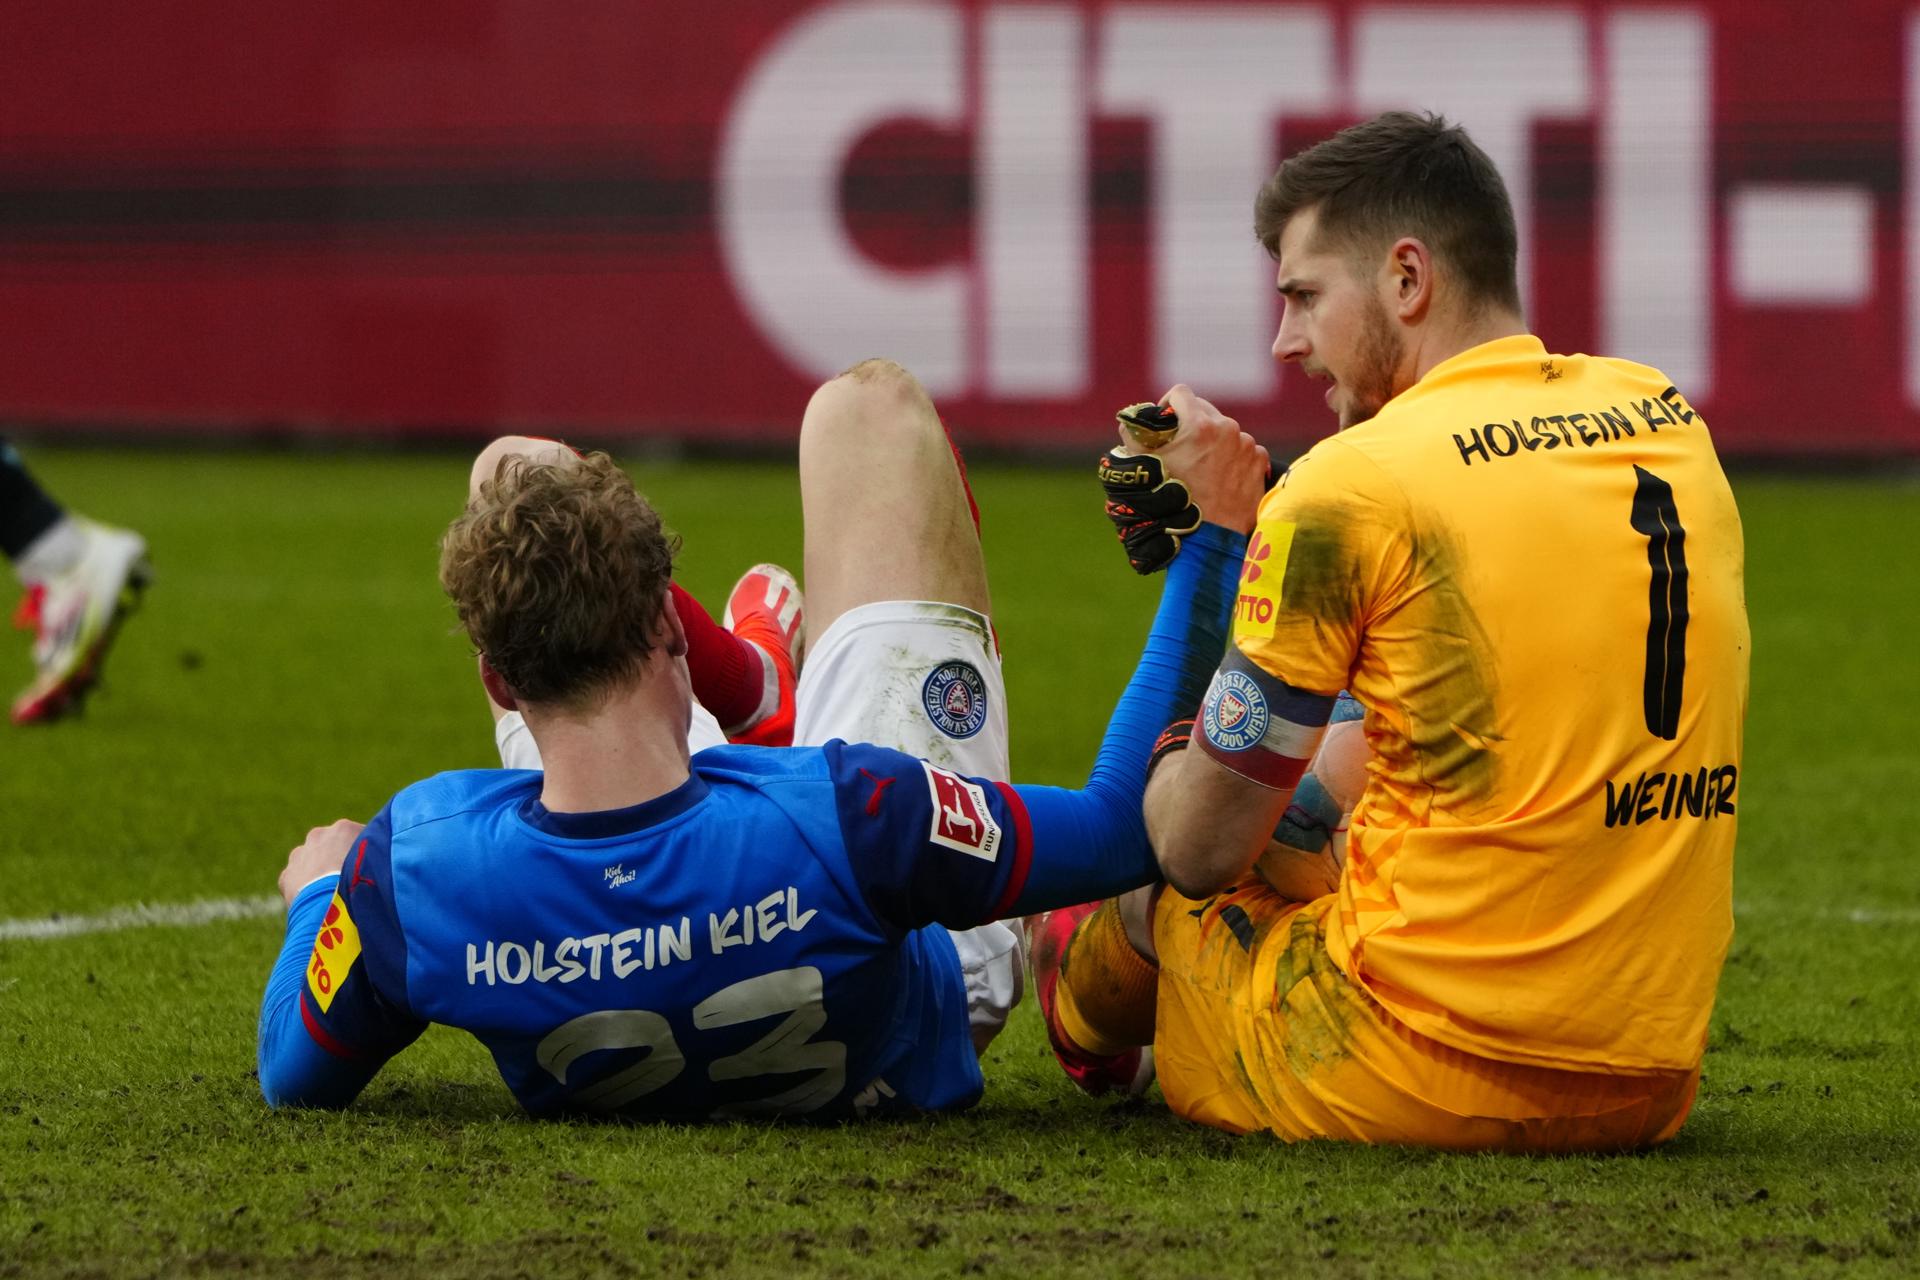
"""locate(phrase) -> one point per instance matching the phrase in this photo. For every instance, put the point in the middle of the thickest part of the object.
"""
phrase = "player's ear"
(497, 688)
(670, 632)
(1410, 278)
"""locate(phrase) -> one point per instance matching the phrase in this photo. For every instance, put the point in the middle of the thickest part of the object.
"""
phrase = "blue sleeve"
(932, 847)
(928, 845)
(334, 1009)
(1092, 843)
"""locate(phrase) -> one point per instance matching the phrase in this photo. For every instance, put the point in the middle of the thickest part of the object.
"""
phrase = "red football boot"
(765, 609)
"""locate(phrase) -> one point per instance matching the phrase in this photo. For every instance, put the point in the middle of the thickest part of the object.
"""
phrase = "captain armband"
(1259, 726)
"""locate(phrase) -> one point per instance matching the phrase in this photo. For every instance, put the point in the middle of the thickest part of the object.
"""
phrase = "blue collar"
(615, 822)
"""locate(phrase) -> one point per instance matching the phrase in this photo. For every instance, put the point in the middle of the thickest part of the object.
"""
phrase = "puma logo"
(880, 786)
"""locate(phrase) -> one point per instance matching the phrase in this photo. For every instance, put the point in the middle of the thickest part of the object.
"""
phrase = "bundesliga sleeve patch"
(1260, 726)
(334, 952)
(961, 819)
(955, 698)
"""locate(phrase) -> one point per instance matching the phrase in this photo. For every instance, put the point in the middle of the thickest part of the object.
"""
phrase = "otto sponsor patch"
(1261, 575)
(334, 952)
(1236, 716)
(955, 698)
(961, 819)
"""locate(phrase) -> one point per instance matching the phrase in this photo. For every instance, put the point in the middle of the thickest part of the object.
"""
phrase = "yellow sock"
(1107, 991)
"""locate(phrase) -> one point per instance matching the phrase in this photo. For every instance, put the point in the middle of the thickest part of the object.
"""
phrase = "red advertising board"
(676, 217)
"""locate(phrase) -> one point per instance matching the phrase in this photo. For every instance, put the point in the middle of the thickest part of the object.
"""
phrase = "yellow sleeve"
(1326, 557)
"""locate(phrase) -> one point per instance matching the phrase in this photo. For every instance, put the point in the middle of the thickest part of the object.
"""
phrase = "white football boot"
(75, 616)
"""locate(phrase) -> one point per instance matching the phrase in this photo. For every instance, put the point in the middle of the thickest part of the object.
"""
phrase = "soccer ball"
(1309, 847)
(1301, 875)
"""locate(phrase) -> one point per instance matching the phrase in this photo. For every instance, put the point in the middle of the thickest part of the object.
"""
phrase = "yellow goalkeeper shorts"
(1257, 1029)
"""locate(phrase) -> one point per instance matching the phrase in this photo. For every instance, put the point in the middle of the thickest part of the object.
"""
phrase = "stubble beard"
(1371, 385)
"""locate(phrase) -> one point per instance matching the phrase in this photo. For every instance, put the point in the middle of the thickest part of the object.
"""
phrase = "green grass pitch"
(295, 663)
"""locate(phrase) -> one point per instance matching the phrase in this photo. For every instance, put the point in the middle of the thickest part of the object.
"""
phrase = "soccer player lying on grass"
(743, 930)
(1527, 568)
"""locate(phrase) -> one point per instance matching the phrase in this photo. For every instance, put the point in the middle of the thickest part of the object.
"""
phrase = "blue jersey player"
(646, 928)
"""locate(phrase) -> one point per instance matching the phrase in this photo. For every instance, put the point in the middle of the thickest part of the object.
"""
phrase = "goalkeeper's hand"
(1150, 511)
(1208, 470)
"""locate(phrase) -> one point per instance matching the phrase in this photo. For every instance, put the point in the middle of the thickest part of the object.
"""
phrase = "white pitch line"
(1879, 915)
(143, 916)
(215, 910)
(1852, 915)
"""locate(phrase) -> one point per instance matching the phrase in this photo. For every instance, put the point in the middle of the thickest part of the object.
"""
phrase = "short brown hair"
(559, 572)
(1402, 174)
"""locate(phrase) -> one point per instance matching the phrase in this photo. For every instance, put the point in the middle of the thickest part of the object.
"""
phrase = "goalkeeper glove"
(1151, 511)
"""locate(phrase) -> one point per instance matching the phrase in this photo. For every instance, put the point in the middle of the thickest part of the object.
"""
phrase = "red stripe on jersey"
(320, 1034)
(1022, 851)
(360, 860)
(1257, 764)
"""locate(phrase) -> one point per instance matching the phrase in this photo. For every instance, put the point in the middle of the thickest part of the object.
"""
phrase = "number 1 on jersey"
(1655, 516)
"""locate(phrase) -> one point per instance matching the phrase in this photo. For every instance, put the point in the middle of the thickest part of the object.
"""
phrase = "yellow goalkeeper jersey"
(1528, 569)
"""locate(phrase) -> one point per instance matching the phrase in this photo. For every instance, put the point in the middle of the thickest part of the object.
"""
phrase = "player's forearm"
(1208, 825)
(294, 1070)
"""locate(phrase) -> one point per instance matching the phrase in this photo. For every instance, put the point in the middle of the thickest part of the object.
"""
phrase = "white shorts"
(517, 750)
(921, 677)
(918, 676)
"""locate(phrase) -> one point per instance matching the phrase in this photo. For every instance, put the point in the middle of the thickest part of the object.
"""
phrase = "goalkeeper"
(1527, 569)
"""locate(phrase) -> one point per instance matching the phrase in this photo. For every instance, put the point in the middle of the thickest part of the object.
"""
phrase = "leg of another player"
(82, 578)
(1097, 991)
(28, 514)
(884, 504)
(893, 552)
(533, 448)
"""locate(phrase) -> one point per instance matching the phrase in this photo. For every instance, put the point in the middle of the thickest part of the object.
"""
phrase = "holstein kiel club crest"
(956, 699)
(1236, 712)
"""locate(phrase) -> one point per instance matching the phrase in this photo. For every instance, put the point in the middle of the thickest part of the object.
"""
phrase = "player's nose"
(1290, 345)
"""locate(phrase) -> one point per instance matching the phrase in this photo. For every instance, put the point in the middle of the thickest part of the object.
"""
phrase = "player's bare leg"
(534, 448)
(899, 643)
(885, 508)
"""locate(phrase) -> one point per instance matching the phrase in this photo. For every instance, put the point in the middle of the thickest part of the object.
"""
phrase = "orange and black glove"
(1151, 511)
